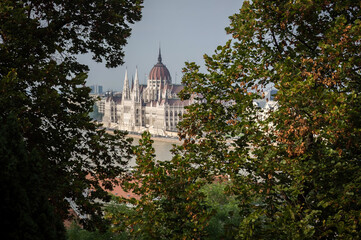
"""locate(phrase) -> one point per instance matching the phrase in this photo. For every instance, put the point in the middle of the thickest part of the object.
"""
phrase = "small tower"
(126, 90)
(136, 92)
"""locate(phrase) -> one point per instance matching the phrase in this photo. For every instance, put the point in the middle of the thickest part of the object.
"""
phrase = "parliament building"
(153, 107)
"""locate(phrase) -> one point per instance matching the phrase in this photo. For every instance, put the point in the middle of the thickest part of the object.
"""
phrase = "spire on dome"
(159, 56)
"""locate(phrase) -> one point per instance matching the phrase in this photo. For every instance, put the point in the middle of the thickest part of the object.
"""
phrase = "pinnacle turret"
(136, 93)
(126, 90)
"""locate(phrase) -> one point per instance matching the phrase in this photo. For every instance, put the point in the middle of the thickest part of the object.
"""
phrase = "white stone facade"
(154, 107)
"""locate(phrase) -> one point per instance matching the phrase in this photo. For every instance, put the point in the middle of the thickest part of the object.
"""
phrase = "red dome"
(160, 71)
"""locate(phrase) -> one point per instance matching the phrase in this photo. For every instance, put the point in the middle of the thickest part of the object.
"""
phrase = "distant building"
(96, 89)
(154, 106)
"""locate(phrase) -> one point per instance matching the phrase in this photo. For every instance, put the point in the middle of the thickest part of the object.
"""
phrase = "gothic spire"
(136, 91)
(132, 83)
(126, 90)
(159, 56)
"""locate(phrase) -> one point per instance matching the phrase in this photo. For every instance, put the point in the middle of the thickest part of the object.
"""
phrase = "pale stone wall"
(144, 108)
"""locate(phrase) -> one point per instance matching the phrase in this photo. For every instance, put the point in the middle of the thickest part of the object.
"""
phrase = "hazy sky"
(186, 29)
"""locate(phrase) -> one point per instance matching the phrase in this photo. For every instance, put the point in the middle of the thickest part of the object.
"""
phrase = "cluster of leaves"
(75, 232)
(170, 204)
(224, 223)
(296, 172)
(24, 207)
(43, 86)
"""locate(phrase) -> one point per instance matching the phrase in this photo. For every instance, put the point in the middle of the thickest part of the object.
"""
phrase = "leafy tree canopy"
(44, 86)
(24, 207)
(295, 170)
(170, 205)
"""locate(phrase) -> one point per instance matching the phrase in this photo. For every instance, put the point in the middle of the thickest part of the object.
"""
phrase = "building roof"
(179, 102)
(177, 88)
(160, 71)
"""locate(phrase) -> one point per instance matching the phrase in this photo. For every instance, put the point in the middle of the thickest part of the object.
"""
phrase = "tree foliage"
(170, 205)
(225, 221)
(42, 84)
(75, 232)
(296, 172)
(24, 206)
